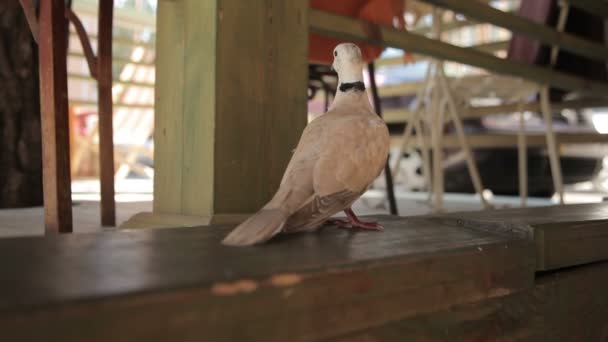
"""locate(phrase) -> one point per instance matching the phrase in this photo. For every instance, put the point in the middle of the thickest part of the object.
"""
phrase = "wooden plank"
(446, 26)
(54, 114)
(200, 92)
(573, 243)
(411, 88)
(166, 284)
(106, 113)
(564, 235)
(168, 113)
(238, 118)
(349, 28)
(485, 47)
(261, 112)
(515, 23)
(565, 306)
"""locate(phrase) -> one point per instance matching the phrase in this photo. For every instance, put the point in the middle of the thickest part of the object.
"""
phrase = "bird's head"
(348, 62)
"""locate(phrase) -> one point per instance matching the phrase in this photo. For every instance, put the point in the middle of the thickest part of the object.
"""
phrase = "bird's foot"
(353, 222)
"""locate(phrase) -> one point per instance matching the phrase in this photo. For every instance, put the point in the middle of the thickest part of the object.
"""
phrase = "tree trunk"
(20, 136)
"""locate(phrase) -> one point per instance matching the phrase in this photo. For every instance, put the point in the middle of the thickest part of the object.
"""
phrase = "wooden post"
(104, 86)
(522, 155)
(231, 84)
(54, 112)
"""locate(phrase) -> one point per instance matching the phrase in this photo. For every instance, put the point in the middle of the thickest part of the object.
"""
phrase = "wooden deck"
(450, 277)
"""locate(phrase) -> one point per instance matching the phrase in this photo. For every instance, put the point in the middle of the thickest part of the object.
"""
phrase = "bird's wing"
(295, 189)
(352, 157)
(297, 184)
(318, 209)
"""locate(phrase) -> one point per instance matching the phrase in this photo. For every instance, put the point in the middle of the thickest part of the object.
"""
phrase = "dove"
(339, 155)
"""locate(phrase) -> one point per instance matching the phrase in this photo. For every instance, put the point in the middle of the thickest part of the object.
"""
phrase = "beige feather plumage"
(338, 156)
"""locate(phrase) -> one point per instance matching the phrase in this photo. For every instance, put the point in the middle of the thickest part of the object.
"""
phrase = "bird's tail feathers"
(259, 228)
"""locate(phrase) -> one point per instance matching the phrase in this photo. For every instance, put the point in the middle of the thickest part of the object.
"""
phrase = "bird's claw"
(348, 224)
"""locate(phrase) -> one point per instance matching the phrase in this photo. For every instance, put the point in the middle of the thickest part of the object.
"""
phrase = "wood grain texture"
(564, 236)
(54, 113)
(169, 106)
(261, 104)
(348, 28)
(231, 102)
(183, 284)
(200, 94)
(564, 306)
(106, 113)
(515, 23)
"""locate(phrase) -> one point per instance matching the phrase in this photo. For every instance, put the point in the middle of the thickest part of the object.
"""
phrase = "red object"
(381, 12)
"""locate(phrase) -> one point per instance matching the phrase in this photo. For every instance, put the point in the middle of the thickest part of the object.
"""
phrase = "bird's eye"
(336, 53)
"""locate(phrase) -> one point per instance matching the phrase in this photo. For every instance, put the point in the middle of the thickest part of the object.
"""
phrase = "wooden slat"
(564, 235)
(571, 243)
(54, 113)
(258, 127)
(446, 26)
(349, 28)
(106, 113)
(565, 306)
(167, 284)
(545, 34)
(486, 47)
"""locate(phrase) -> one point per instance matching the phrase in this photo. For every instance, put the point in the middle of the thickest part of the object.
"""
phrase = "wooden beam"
(168, 284)
(106, 113)
(515, 23)
(445, 26)
(564, 236)
(485, 47)
(411, 88)
(348, 28)
(226, 123)
(54, 112)
(568, 305)
(595, 7)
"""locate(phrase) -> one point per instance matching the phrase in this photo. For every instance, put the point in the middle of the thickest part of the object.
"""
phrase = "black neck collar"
(360, 86)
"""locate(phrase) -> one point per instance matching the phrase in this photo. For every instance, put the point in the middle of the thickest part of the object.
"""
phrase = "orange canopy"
(382, 12)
